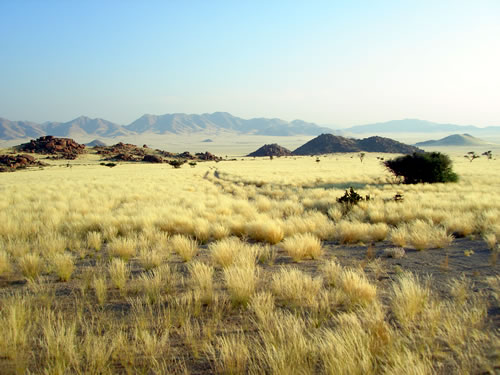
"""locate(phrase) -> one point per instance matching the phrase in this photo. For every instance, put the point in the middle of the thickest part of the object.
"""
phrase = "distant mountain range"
(454, 140)
(177, 123)
(215, 123)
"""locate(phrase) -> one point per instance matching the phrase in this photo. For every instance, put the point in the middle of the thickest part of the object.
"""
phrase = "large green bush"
(423, 167)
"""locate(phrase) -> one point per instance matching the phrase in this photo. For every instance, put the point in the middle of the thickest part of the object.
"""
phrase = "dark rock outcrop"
(271, 150)
(207, 156)
(10, 163)
(62, 148)
(152, 159)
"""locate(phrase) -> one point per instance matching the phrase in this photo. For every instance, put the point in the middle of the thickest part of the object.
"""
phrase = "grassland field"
(248, 266)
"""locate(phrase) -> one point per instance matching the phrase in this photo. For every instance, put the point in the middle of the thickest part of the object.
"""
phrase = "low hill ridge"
(329, 143)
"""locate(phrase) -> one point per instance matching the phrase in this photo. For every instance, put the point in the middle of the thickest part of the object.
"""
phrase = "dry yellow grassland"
(230, 268)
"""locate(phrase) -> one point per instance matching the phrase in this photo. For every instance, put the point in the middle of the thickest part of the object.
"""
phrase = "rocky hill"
(381, 144)
(271, 150)
(59, 148)
(328, 143)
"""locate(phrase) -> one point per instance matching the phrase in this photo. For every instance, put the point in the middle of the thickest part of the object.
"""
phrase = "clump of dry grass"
(346, 349)
(241, 281)
(421, 234)
(491, 240)
(331, 272)
(301, 246)
(219, 231)
(354, 232)
(63, 265)
(156, 282)
(399, 235)
(150, 258)
(357, 288)
(263, 305)
(100, 286)
(225, 251)
(184, 246)
(202, 280)
(31, 265)
(295, 288)
(94, 240)
(119, 273)
(410, 299)
(267, 231)
(5, 263)
(122, 247)
(230, 354)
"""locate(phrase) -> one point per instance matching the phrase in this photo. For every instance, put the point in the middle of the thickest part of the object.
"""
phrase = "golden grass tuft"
(150, 258)
(491, 240)
(225, 251)
(31, 265)
(63, 265)
(230, 354)
(119, 273)
(122, 247)
(202, 279)
(295, 288)
(331, 272)
(267, 231)
(240, 281)
(302, 246)
(410, 299)
(100, 286)
(184, 246)
(94, 240)
(5, 263)
(357, 288)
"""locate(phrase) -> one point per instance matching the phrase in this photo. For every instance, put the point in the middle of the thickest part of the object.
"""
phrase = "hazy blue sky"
(331, 62)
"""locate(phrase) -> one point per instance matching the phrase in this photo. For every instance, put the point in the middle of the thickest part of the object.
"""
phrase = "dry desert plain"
(248, 266)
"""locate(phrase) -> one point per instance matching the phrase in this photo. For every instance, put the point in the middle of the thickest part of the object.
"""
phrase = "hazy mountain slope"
(416, 126)
(181, 123)
(19, 129)
(454, 140)
(84, 126)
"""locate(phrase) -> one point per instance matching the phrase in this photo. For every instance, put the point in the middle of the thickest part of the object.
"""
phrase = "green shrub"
(423, 167)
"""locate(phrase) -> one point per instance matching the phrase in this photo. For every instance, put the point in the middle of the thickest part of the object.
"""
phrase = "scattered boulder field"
(129, 152)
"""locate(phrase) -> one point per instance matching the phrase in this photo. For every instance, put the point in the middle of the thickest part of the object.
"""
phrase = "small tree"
(471, 155)
(423, 167)
(488, 154)
(361, 156)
